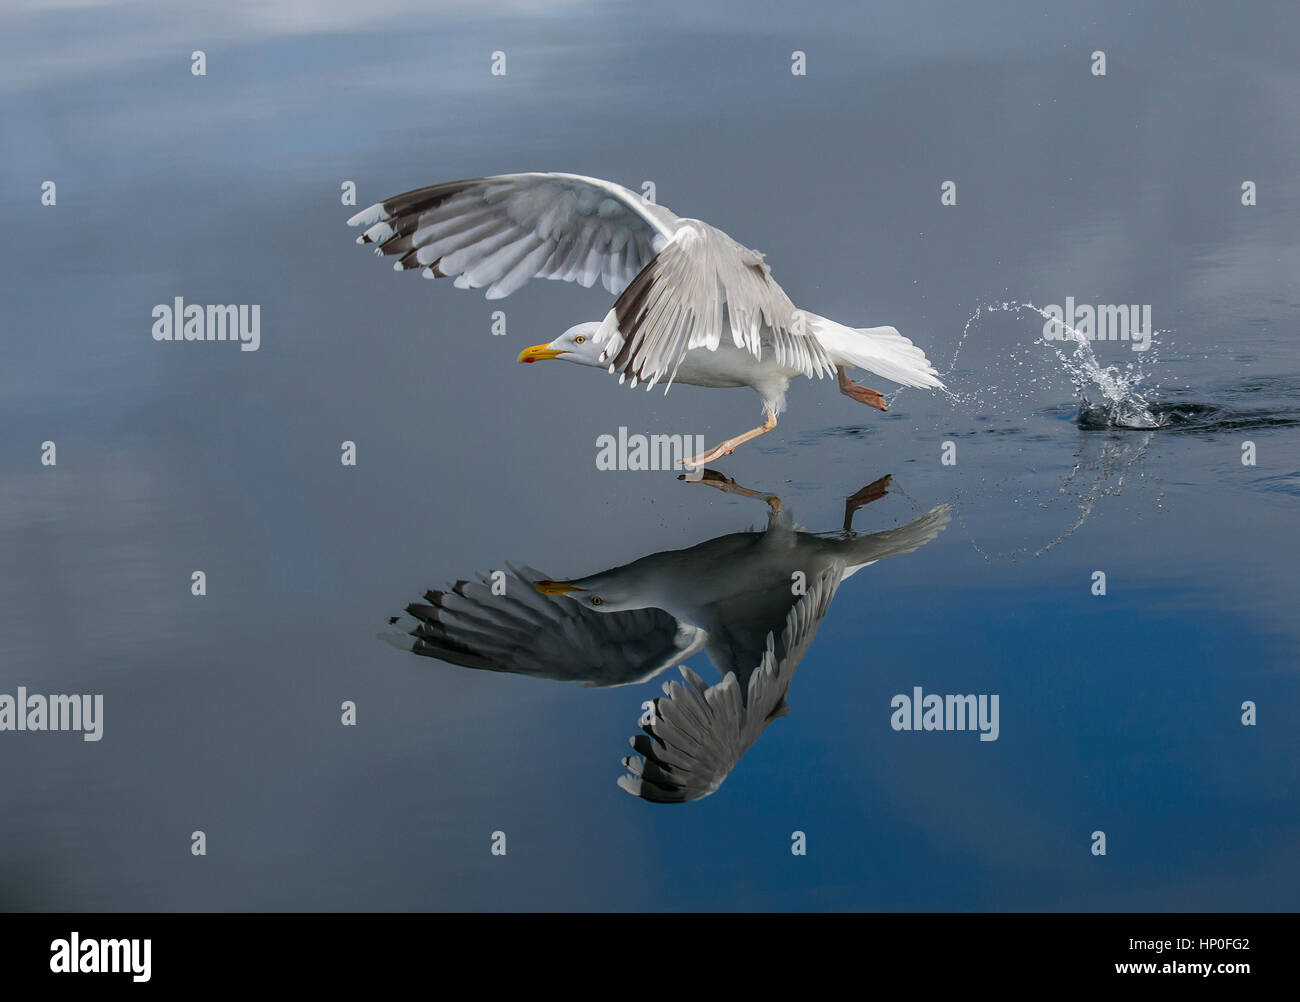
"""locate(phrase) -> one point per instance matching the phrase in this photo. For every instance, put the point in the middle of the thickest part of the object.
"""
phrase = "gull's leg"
(724, 483)
(729, 446)
(859, 393)
(874, 491)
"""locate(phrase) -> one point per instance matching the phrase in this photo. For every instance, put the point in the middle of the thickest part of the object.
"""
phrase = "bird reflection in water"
(751, 601)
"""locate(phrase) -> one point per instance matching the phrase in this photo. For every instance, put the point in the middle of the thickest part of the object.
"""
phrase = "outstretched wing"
(502, 231)
(683, 283)
(700, 286)
(695, 737)
(547, 636)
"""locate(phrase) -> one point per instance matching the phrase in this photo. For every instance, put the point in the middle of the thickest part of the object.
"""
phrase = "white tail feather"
(881, 350)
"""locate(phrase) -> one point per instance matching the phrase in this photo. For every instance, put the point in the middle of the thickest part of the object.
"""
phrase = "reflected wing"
(502, 231)
(547, 636)
(700, 286)
(695, 737)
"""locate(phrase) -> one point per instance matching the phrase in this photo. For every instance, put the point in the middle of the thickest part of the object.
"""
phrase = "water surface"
(1119, 713)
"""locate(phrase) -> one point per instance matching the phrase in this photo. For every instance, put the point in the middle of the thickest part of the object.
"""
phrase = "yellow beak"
(538, 353)
(556, 587)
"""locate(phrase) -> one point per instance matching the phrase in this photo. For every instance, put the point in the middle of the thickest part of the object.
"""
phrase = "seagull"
(692, 304)
(751, 601)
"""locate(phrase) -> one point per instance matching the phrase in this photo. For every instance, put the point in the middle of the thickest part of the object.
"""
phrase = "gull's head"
(574, 345)
(600, 592)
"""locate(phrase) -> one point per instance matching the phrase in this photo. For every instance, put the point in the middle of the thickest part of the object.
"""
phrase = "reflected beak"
(538, 353)
(557, 587)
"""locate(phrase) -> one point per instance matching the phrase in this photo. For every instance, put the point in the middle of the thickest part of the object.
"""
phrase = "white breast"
(732, 366)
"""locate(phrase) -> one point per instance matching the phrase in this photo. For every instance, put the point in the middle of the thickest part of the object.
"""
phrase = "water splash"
(1114, 397)
(1110, 396)
(1109, 404)
(1121, 396)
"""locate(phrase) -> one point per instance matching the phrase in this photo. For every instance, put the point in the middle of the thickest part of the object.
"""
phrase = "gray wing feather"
(701, 287)
(501, 231)
(525, 632)
(695, 736)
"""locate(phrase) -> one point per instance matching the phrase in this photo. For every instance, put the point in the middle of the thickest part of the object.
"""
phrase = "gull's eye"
(579, 339)
(596, 600)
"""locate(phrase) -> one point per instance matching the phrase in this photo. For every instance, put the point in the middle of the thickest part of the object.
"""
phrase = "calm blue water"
(1119, 713)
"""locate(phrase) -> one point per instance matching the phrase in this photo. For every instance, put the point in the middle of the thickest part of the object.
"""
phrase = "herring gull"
(693, 305)
(731, 598)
